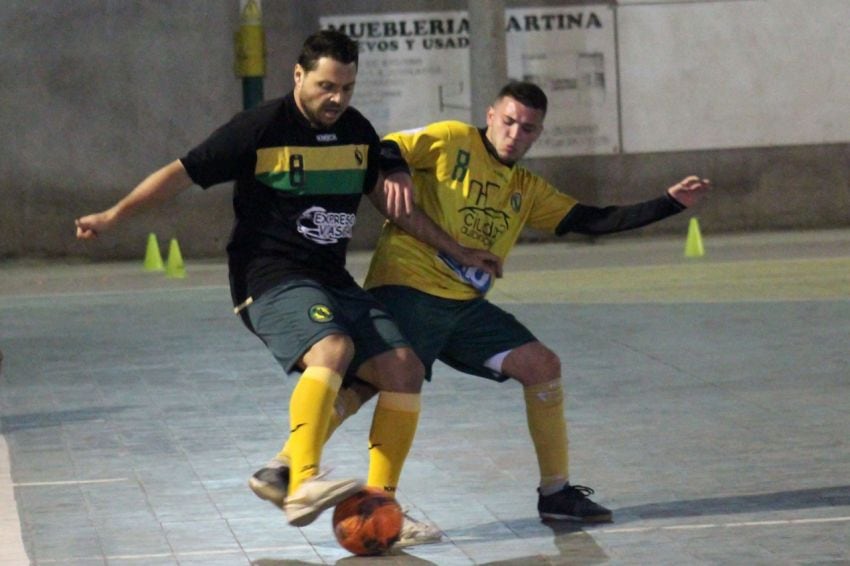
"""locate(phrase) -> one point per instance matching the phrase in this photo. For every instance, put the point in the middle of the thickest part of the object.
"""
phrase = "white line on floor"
(68, 482)
(11, 544)
(698, 526)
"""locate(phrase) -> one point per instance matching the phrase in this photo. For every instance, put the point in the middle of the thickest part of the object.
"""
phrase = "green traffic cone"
(693, 245)
(174, 267)
(153, 258)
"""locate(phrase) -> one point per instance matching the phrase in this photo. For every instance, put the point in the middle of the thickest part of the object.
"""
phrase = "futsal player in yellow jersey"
(467, 180)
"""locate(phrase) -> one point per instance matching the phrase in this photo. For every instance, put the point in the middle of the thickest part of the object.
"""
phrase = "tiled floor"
(707, 401)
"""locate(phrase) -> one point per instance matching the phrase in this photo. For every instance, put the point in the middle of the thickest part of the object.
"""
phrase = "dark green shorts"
(461, 334)
(293, 316)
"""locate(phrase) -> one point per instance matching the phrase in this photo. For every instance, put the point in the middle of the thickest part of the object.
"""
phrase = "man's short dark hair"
(328, 43)
(526, 93)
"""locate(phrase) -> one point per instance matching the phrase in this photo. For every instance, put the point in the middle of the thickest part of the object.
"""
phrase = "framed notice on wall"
(570, 52)
(414, 67)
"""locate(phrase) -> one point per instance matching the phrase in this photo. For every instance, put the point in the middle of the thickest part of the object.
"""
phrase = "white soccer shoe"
(316, 495)
(415, 532)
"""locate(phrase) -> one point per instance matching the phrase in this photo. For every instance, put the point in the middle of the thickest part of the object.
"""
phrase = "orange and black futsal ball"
(368, 522)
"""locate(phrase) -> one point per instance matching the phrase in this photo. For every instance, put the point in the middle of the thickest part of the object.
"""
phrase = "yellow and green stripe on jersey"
(303, 170)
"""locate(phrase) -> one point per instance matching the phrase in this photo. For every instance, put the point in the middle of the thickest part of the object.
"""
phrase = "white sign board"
(570, 53)
(414, 67)
(715, 75)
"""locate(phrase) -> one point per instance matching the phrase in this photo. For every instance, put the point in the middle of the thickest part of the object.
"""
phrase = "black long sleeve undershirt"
(582, 219)
(391, 159)
(593, 220)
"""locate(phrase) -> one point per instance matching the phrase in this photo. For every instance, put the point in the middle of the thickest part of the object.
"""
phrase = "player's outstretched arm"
(393, 197)
(596, 221)
(160, 186)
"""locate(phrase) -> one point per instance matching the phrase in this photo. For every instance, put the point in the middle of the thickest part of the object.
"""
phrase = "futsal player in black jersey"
(301, 165)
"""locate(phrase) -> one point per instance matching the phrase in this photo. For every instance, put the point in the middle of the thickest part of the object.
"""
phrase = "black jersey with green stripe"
(296, 194)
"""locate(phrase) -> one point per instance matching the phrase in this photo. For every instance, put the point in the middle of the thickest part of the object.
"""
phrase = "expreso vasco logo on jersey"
(323, 227)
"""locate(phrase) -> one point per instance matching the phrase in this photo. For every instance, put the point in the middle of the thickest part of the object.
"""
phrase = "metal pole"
(250, 48)
(487, 54)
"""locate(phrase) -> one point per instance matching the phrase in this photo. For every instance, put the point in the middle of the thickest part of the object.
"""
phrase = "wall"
(96, 94)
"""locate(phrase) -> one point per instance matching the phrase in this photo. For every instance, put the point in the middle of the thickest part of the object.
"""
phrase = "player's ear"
(298, 74)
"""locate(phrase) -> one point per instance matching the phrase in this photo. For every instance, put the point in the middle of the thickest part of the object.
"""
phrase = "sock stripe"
(407, 402)
(323, 375)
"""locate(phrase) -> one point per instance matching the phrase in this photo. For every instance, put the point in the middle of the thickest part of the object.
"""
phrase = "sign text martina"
(449, 32)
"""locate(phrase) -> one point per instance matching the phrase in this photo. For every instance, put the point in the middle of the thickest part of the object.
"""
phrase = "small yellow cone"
(693, 245)
(174, 266)
(153, 257)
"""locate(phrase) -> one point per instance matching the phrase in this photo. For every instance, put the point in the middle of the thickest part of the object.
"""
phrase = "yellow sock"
(310, 409)
(544, 405)
(346, 404)
(393, 428)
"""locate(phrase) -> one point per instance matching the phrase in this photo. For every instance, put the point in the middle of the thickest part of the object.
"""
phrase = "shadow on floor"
(777, 501)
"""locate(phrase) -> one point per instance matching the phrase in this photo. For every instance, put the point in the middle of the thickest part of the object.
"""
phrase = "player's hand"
(689, 190)
(482, 259)
(89, 227)
(398, 192)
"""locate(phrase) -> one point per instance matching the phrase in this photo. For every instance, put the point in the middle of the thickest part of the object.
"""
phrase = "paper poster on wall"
(570, 53)
(414, 67)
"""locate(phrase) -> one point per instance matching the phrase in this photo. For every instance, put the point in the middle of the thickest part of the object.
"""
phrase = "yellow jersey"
(478, 200)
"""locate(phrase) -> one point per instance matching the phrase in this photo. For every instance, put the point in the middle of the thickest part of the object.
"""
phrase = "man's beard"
(315, 116)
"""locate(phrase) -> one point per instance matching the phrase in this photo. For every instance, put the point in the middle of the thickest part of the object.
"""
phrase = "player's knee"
(406, 374)
(550, 365)
(334, 351)
(398, 370)
(533, 364)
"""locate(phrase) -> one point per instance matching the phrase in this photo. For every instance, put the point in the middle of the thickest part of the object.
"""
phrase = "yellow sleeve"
(549, 205)
(422, 147)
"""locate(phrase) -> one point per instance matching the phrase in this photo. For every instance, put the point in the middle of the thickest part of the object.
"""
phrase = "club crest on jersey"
(324, 227)
(516, 201)
(320, 313)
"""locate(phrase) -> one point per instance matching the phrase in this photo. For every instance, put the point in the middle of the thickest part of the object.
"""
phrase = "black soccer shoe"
(271, 482)
(572, 504)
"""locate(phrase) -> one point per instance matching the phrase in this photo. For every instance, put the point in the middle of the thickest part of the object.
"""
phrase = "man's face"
(324, 93)
(512, 128)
